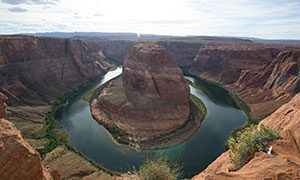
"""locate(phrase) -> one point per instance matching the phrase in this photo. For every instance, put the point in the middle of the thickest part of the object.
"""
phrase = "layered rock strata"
(272, 85)
(34, 70)
(283, 163)
(225, 63)
(264, 76)
(17, 159)
(151, 98)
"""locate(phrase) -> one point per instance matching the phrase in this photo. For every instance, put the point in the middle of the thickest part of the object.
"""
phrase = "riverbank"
(54, 139)
(177, 136)
(240, 103)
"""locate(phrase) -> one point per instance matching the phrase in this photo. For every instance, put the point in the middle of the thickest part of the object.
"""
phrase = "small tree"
(251, 140)
(159, 168)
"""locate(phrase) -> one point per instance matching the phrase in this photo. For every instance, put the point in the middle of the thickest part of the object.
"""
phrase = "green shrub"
(159, 168)
(251, 140)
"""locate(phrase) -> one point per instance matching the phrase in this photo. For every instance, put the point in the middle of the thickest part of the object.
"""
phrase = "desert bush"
(251, 140)
(159, 168)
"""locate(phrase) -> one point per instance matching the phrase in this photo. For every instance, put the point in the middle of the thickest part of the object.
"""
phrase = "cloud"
(13, 1)
(98, 14)
(16, 2)
(17, 9)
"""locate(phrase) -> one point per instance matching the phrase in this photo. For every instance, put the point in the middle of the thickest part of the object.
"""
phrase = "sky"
(269, 19)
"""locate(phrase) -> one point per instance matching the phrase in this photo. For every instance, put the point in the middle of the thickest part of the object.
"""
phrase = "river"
(195, 154)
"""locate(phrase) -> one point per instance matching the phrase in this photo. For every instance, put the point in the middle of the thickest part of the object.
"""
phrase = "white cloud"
(15, 2)
(17, 9)
(264, 19)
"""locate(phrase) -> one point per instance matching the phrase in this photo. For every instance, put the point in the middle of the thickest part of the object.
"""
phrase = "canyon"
(140, 103)
(35, 70)
(282, 163)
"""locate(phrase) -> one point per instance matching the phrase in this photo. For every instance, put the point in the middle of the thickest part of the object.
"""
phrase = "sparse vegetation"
(54, 137)
(204, 109)
(249, 141)
(241, 104)
(245, 108)
(159, 168)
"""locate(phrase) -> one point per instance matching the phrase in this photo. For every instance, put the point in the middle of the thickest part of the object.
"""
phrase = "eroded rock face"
(35, 70)
(282, 74)
(151, 75)
(283, 163)
(3, 106)
(273, 84)
(17, 159)
(151, 99)
(225, 63)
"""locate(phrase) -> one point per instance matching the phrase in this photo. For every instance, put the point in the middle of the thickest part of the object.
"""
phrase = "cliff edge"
(283, 163)
(18, 160)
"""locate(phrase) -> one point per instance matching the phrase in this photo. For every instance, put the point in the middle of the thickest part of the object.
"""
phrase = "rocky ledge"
(18, 160)
(282, 163)
(150, 100)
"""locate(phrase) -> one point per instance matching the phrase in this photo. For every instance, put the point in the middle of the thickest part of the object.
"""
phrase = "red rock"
(35, 70)
(272, 85)
(153, 97)
(18, 160)
(283, 163)
(225, 63)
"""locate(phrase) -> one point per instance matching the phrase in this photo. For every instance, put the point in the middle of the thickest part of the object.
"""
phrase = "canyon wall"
(283, 163)
(272, 85)
(18, 160)
(264, 76)
(35, 70)
(225, 63)
(183, 50)
(115, 49)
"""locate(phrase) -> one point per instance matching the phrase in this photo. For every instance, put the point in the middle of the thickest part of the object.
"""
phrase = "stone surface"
(283, 163)
(35, 70)
(3, 106)
(18, 160)
(183, 50)
(151, 99)
(264, 76)
(225, 63)
(272, 85)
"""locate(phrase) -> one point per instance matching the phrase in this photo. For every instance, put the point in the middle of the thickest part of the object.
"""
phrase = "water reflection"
(195, 154)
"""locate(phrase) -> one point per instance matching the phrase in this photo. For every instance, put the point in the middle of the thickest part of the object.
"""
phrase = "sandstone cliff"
(225, 63)
(283, 163)
(18, 160)
(272, 85)
(151, 99)
(183, 50)
(35, 70)
(115, 49)
(264, 76)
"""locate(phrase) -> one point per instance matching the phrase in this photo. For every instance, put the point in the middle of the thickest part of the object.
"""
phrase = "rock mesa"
(151, 99)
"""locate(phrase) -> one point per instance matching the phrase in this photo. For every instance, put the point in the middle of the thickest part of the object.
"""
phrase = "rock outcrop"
(115, 49)
(225, 63)
(35, 70)
(265, 76)
(272, 85)
(18, 160)
(283, 163)
(183, 50)
(151, 99)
